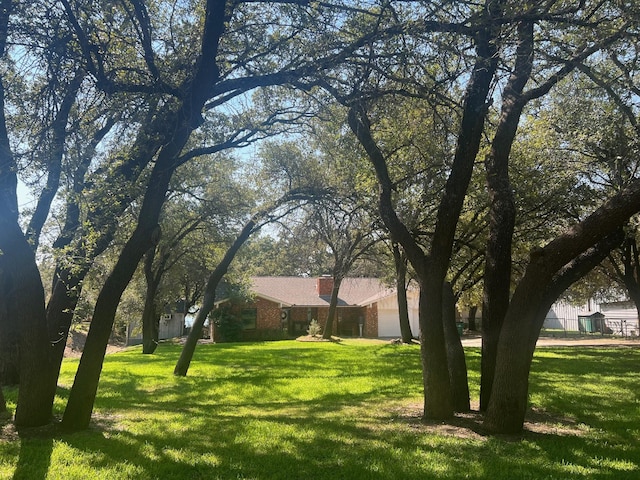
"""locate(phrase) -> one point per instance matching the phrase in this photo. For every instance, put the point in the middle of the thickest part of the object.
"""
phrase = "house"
(286, 305)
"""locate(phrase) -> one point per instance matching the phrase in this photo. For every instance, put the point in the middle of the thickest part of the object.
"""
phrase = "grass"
(292, 410)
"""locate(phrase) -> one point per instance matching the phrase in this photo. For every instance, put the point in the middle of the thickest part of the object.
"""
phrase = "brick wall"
(370, 329)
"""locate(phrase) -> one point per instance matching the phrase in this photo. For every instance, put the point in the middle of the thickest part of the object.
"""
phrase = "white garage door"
(388, 323)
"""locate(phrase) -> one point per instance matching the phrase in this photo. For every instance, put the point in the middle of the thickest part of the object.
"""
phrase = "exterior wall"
(347, 321)
(564, 316)
(621, 318)
(172, 327)
(370, 328)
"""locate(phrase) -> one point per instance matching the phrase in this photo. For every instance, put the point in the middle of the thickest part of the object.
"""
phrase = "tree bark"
(401, 289)
(456, 361)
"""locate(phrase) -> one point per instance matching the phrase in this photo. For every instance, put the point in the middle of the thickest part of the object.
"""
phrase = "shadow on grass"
(276, 446)
(283, 412)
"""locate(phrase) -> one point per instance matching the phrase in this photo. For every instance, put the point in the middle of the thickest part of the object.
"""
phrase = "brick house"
(366, 307)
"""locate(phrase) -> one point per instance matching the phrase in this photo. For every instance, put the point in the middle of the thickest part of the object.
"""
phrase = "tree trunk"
(21, 290)
(333, 307)
(455, 352)
(150, 327)
(182, 366)
(630, 272)
(401, 289)
(431, 269)
(502, 212)
(54, 153)
(473, 310)
(150, 316)
(83, 392)
(540, 286)
(438, 404)
(3, 404)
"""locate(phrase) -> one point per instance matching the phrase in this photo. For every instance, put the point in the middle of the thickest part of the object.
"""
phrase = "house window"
(249, 316)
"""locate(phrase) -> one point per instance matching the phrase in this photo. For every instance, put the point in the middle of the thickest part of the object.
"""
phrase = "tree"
(21, 290)
(264, 216)
(194, 218)
(400, 263)
(206, 87)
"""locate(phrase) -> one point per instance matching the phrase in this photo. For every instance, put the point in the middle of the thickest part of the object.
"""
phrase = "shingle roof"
(303, 291)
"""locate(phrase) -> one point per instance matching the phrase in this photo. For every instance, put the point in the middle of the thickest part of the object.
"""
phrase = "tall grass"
(291, 410)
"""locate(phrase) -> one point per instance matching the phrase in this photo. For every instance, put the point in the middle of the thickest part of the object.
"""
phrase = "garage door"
(388, 323)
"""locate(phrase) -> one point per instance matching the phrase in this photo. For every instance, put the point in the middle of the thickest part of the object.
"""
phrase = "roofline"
(266, 297)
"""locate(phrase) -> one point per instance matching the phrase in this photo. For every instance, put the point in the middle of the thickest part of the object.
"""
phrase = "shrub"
(314, 328)
(228, 327)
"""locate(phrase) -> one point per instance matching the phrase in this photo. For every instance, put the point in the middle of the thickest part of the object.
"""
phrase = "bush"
(228, 327)
(314, 328)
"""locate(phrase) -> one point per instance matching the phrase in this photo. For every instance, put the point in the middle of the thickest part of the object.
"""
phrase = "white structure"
(389, 317)
(620, 318)
(171, 326)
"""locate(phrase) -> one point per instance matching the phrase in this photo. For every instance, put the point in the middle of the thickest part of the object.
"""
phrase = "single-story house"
(366, 307)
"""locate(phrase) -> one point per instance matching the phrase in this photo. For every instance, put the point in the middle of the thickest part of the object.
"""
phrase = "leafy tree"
(194, 218)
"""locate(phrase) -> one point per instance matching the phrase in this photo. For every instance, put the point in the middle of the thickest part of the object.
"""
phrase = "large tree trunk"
(3, 404)
(82, 396)
(333, 307)
(401, 289)
(455, 352)
(502, 212)
(21, 290)
(182, 366)
(23, 296)
(550, 271)
(438, 402)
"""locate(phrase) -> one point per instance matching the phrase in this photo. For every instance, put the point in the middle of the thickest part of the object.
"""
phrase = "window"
(248, 317)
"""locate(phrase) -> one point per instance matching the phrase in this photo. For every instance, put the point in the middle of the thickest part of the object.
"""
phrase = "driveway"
(476, 341)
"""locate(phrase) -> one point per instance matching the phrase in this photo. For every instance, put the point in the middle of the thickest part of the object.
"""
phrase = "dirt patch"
(317, 338)
(469, 425)
(77, 339)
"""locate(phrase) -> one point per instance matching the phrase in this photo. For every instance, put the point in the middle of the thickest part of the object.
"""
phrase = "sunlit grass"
(292, 410)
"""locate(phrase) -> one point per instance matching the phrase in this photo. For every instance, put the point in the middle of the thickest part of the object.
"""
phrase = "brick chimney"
(324, 285)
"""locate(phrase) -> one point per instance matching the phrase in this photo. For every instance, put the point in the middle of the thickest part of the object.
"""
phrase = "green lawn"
(292, 410)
